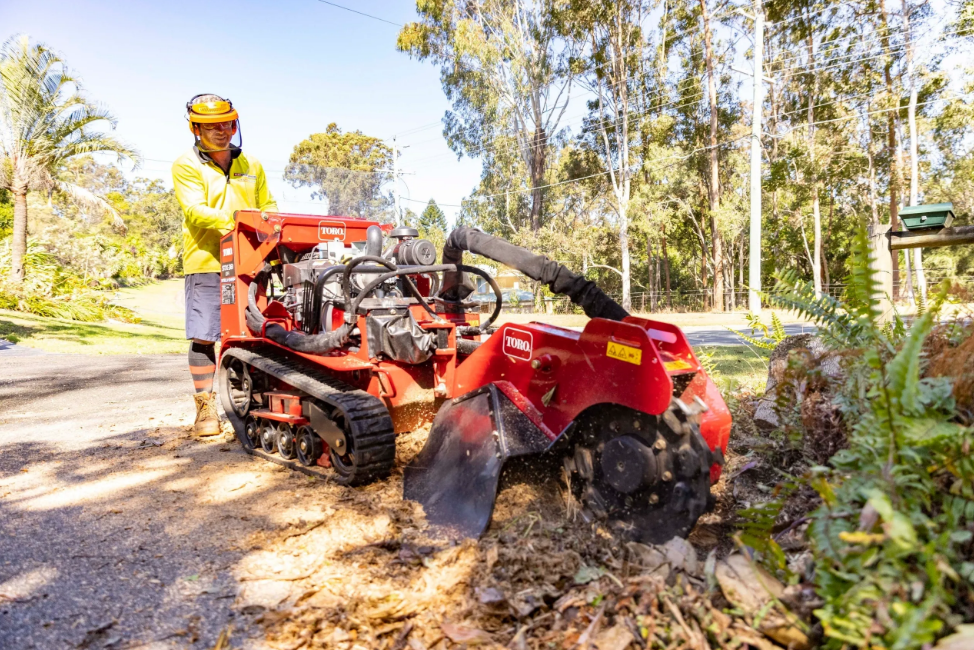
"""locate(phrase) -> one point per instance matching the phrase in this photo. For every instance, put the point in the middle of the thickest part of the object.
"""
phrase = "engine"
(313, 282)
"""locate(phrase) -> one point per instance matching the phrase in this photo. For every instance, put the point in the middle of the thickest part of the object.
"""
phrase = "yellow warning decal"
(677, 364)
(625, 353)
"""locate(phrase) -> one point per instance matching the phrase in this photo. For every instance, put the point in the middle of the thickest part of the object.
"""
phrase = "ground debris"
(758, 593)
(538, 578)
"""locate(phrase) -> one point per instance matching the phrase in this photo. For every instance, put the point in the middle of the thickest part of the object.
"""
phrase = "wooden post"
(881, 262)
(927, 239)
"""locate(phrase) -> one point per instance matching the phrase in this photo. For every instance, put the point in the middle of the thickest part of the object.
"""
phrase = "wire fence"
(703, 300)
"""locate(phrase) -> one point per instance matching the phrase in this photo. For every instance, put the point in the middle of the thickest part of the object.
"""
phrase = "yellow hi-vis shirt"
(209, 198)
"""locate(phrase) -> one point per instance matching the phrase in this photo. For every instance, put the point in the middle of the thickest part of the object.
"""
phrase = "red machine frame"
(550, 373)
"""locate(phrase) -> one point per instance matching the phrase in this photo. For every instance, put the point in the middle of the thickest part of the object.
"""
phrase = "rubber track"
(373, 437)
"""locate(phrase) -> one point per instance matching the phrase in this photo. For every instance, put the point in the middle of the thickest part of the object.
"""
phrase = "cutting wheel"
(647, 476)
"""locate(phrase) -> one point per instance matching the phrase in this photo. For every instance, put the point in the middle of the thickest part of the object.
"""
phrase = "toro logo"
(518, 344)
(330, 231)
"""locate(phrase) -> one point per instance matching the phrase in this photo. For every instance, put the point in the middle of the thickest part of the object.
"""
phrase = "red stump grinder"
(338, 334)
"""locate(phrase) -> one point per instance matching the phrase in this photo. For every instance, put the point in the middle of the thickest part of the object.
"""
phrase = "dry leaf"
(617, 637)
(465, 634)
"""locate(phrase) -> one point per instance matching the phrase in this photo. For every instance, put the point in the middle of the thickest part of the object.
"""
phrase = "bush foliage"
(892, 538)
(55, 291)
(76, 257)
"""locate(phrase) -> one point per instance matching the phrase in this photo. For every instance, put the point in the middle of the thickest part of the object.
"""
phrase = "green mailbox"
(927, 217)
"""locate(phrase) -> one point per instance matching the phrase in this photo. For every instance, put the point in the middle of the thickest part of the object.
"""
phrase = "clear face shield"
(218, 136)
(214, 123)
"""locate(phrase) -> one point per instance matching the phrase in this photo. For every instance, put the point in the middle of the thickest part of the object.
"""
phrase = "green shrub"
(892, 538)
(54, 291)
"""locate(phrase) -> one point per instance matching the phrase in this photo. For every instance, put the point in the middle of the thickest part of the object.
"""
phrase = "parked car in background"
(520, 296)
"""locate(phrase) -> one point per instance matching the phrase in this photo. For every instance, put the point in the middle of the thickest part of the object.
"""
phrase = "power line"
(413, 130)
(845, 119)
(355, 11)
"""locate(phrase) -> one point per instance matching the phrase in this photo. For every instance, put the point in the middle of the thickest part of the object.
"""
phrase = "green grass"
(159, 303)
(59, 335)
(736, 367)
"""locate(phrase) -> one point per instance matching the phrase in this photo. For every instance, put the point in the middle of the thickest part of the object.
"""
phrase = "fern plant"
(771, 335)
(892, 539)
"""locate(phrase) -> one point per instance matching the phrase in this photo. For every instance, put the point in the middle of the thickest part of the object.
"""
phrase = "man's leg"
(202, 364)
(203, 328)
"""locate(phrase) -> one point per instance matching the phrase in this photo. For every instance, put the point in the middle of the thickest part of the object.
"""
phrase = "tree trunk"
(827, 279)
(914, 145)
(910, 295)
(666, 271)
(714, 180)
(873, 208)
(813, 173)
(740, 281)
(538, 151)
(731, 299)
(624, 249)
(19, 245)
(650, 280)
(894, 199)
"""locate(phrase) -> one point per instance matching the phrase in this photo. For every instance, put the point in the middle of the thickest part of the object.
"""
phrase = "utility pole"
(754, 263)
(754, 246)
(395, 180)
(396, 175)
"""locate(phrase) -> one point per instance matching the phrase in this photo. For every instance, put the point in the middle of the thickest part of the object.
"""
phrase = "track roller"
(309, 446)
(285, 441)
(251, 437)
(240, 387)
(268, 436)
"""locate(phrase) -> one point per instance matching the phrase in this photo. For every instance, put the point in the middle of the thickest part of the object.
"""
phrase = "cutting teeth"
(702, 407)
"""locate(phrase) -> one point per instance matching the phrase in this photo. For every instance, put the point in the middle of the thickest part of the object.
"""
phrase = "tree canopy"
(45, 121)
(349, 170)
(648, 185)
(432, 219)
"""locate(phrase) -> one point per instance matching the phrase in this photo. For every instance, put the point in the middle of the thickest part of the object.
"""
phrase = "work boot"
(207, 419)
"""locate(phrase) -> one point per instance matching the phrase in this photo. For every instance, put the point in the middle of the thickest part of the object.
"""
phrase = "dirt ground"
(120, 531)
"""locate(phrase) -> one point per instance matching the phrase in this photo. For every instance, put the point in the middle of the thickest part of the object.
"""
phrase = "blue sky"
(291, 67)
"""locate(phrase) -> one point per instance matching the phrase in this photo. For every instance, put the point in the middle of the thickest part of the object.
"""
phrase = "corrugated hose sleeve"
(294, 340)
(584, 293)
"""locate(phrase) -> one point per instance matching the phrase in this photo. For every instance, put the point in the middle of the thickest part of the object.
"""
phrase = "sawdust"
(369, 575)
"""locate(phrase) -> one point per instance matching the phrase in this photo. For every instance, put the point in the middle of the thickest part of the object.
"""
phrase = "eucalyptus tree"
(507, 71)
(610, 34)
(45, 120)
(348, 169)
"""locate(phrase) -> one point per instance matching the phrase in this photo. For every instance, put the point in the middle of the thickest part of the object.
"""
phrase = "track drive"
(363, 445)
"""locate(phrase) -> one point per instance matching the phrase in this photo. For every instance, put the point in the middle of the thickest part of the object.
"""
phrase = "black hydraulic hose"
(319, 287)
(445, 268)
(370, 287)
(294, 340)
(466, 346)
(584, 293)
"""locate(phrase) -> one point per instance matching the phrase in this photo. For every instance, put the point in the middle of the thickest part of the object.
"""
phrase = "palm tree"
(44, 120)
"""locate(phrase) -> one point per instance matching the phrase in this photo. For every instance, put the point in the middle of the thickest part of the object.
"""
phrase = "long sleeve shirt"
(209, 197)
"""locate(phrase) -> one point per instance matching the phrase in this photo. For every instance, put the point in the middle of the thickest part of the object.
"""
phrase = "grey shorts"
(202, 306)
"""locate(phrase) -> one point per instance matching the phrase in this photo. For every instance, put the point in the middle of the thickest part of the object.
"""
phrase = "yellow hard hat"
(209, 109)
